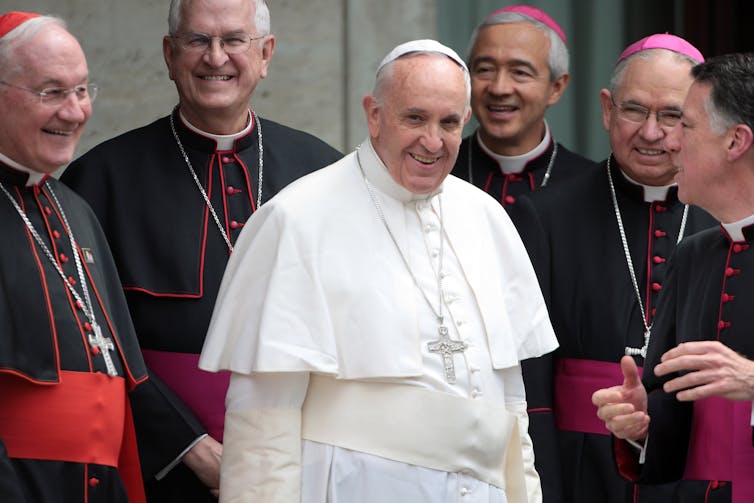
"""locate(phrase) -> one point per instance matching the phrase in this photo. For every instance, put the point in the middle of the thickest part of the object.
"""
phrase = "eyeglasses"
(639, 114)
(58, 95)
(233, 43)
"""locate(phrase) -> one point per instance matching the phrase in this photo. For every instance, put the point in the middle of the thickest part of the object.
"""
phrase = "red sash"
(203, 392)
(86, 418)
(721, 446)
(575, 382)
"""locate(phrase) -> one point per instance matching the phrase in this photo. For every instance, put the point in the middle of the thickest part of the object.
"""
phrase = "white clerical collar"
(35, 177)
(379, 176)
(224, 141)
(651, 193)
(736, 229)
(517, 163)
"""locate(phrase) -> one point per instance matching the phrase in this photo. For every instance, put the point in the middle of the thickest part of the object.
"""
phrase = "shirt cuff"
(161, 474)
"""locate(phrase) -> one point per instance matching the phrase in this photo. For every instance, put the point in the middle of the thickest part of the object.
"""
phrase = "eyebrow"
(675, 108)
(512, 62)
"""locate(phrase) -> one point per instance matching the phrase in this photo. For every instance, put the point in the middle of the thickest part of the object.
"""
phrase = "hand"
(204, 460)
(713, 369)
(624, 407)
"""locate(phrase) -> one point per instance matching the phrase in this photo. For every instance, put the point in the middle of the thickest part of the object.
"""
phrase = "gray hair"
(385, 74)
(261, 17)
(21, 34)
(731, 100)
(616, 79)
(557, 57)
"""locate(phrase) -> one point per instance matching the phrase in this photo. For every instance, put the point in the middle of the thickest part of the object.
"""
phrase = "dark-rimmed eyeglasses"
(233, 43)
(638, 114)
(58, 95)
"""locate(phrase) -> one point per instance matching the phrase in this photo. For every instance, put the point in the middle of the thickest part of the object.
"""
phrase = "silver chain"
(438, 274)
(647, 326)
(201, 188)
(545, 178)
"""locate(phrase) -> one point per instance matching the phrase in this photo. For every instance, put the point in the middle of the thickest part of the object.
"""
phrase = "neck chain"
(96, 339)
(444, 345)
(647, 326)
(548, 171)
(201, 188)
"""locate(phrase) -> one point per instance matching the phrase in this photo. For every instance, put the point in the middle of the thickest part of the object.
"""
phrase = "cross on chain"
(105, 345)
(446, 346)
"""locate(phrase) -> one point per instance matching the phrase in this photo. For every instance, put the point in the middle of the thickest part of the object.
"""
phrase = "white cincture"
(105, 344)
(445, 346)
(647, 326)
(201, 188)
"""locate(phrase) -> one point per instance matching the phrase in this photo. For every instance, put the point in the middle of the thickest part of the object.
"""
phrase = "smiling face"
(511, 86)
(657, 83)
(698, 151)
(42, 136)
(416, 125)
(215, 88)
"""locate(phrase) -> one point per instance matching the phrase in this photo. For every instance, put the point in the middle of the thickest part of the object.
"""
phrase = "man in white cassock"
(374, 315)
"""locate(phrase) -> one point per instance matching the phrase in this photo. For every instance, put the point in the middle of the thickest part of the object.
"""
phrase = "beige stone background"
(324, 61)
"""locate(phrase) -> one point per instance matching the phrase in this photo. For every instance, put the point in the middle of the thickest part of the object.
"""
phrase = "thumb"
(630, 371)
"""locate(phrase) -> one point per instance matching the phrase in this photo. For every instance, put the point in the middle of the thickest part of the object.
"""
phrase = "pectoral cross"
(104, 345)
(446, 347)
(643, 350)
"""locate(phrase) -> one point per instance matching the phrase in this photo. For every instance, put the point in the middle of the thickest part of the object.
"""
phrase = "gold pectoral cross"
(446, 346)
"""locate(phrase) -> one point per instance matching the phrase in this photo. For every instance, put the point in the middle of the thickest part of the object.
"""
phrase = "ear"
(168, 52)
(739, 141)
(268, 48)
(607, 107)
(372, 112)
(468, 116)
(558, 88)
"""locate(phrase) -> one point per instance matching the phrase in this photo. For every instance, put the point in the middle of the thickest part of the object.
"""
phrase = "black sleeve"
(10, 486)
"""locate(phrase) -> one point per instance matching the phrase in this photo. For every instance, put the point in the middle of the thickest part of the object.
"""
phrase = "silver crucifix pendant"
(643, 350)
(105, 345)
(446, 346)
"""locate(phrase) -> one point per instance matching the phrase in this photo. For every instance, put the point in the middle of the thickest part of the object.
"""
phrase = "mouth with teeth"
(57, 132)
(423, 159)
(501, 109)
(216, 77)
(650, 151)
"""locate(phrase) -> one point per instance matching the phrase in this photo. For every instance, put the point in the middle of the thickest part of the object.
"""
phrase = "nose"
(500, 84)
(215, 54)
(432, 139)
(651, 130)
(73, 109)
(672, 141)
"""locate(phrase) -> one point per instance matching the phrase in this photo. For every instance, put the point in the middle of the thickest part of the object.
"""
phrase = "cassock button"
(660, 234)
(737, 248)
(63, 258)
(71, 280)
(56, 234)
(660, 208)
(95, 350)
(727, 298)
(729, 271)
(654, 311)
(227, 159)
(88, 326)
(657, 259)
(723, 324)
(93, 481)
(509, 199)
(235, 225)
(232, 190)
(79, 305)
(48, 210)
(464, 491)
(656, 287)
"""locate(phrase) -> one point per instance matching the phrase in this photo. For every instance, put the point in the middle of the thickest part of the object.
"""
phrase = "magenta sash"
(203, 392)
(575, 382)
(721, 446)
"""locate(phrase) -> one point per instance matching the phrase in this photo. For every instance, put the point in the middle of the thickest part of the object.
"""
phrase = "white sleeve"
(261, 459)
(515, 403)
